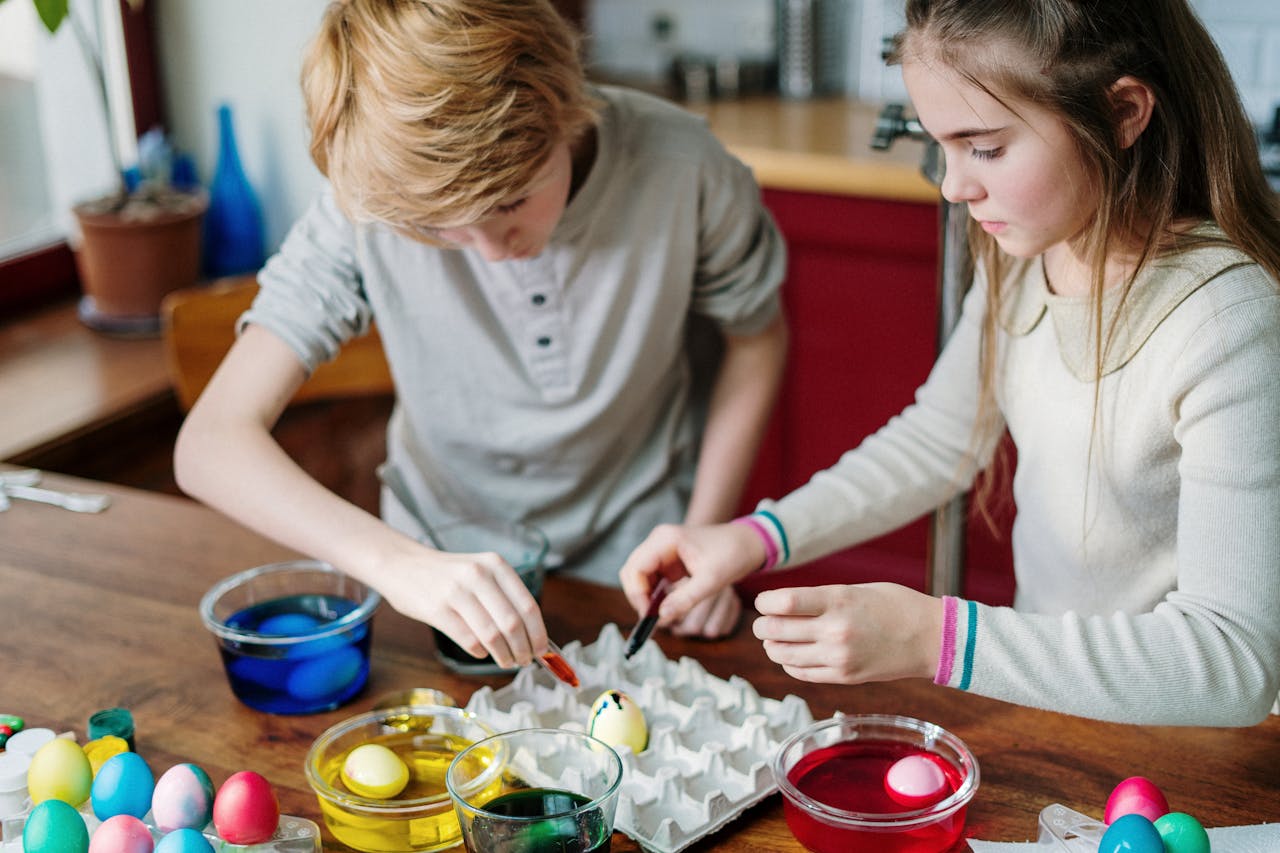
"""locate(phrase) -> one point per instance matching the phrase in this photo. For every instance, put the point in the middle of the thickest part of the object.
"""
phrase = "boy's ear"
(1133, 101)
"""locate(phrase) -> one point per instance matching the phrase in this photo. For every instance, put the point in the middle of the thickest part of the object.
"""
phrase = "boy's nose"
(492, 241)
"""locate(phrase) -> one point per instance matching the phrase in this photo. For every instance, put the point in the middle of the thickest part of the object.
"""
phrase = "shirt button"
(544, 341)
(538, 299)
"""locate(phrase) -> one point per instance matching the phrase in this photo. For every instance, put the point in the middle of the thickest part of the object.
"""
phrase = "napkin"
(1257, 838)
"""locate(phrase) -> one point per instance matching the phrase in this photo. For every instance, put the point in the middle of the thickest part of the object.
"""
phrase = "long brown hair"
(1196, 160)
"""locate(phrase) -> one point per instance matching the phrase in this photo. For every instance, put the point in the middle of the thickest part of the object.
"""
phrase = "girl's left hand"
(851, 634)
(712, 617)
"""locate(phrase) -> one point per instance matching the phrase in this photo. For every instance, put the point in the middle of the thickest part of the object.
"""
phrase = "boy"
(533, 251)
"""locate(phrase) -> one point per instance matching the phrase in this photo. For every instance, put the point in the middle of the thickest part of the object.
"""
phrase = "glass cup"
(558, 791)
(523, 546)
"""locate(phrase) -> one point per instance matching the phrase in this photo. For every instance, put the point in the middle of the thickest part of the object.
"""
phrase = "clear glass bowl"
(831, 778)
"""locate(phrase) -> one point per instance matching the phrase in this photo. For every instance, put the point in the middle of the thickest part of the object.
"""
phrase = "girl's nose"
(959, 186)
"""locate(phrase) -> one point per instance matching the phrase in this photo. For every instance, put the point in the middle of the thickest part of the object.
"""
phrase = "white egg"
(618, 721)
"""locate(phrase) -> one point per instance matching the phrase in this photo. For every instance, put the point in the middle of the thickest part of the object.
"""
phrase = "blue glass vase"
(234, 236)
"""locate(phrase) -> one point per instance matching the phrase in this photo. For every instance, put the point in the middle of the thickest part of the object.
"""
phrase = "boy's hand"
(851, 634)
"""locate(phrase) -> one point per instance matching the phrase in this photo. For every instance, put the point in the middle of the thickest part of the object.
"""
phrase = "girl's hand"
(713, 617)
(710, 557)
(851, 634)
(477, 599)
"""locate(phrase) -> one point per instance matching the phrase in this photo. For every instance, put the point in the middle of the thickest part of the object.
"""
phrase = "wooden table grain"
(99, 611)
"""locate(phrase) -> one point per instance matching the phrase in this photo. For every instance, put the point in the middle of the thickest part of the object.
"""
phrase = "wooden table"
(99, 611)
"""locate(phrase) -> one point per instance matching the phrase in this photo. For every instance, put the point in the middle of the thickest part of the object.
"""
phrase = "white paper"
(1258, 838)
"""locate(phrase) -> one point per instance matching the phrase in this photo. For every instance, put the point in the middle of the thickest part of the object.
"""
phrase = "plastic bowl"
(422, 817)
(831, 776)
(294, 637)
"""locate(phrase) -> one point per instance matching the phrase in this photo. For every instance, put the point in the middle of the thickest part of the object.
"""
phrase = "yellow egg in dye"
(618, 721)
(371, 770)
(60, 771)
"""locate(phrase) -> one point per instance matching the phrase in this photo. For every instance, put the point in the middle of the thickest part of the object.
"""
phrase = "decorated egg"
(245, 810)
(53, 826)
(618, 721)
(1135, 795)
(60, 771)
(915, 781)
(122, 833)
(184, 840)
(1182, 833)
(372, 770)
(183, 798)
(1131, 833)
(122, 787)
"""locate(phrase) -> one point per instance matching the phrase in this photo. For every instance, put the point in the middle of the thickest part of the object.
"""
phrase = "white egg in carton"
(711, 741)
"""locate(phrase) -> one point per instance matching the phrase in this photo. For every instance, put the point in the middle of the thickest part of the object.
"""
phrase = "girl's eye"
(986, 153)
(509, 208)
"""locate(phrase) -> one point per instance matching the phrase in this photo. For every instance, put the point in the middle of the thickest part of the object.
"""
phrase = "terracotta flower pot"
(130, 259)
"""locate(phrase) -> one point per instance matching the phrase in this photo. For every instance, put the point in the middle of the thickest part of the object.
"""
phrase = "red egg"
(246, 811)
(122, 833)
(915, 781)
(1135, 795)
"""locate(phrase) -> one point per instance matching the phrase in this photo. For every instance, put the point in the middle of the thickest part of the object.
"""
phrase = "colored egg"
(183, 798)
(102, 748)
(122, 833)
(323, 675)
(288, 624)
(55, 827)
(617, 720)
(245, 810)
(1135, 795)
(122, 787)
(1131, 833)
(185, 840)
(915, 781)
(60, 771)
(372, 770)
(1182, 833)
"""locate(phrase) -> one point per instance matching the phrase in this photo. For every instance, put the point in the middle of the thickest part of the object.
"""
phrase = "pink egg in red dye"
(246, 810)
(1135, 795)
(123, 833)
(915, 781)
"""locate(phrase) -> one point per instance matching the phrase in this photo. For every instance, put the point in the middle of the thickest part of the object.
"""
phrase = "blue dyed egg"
(55, 827)
(183, 799)
(324, 675)
(184, 841)
(288, 624)
(123, 786)
(1182, 833)
(1131, 833)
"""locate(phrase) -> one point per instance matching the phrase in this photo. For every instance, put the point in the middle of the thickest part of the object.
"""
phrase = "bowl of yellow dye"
(355, 794)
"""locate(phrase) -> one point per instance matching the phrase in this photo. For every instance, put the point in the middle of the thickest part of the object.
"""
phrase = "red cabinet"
(861, 300)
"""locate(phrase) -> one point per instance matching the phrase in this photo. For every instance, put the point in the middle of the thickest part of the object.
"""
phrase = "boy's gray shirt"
(554, 390)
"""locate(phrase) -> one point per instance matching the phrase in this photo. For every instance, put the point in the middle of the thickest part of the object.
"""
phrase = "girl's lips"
(992, 227)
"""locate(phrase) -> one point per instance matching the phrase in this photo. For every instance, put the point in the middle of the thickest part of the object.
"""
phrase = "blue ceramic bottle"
(234, 235)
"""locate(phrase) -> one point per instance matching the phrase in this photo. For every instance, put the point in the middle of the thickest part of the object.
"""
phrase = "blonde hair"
(1196, 159)
(430, 111)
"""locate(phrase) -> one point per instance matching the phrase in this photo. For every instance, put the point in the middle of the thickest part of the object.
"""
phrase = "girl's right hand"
(477, 599)
(708, 557)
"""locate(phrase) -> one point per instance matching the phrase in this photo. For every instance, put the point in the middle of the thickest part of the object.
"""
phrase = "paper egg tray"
(292, 835)
(710, 740)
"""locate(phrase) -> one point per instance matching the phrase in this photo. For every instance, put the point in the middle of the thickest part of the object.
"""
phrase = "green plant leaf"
(52, 13)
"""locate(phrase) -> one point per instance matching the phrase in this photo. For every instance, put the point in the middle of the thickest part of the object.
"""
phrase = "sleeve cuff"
(959, 636)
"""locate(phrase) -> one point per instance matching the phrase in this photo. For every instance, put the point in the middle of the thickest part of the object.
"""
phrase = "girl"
(1124, 326)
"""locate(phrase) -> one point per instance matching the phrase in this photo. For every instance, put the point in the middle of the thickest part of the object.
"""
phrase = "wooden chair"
(199, 327)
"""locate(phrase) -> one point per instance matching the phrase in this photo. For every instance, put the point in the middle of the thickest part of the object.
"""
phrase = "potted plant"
(141, 240)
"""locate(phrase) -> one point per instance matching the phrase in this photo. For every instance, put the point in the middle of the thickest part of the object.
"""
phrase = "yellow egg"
(372, 770)
(60, 771)
(618, 721)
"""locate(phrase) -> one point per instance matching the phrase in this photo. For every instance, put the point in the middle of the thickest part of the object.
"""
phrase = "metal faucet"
(944, 570)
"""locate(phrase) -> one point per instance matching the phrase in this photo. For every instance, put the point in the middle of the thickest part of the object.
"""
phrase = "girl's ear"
(1133, 101)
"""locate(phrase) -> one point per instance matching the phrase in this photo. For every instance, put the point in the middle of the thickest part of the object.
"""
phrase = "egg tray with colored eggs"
(1137, 818)
(710, 741)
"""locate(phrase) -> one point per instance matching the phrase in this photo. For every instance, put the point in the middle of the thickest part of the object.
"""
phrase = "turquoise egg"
(55, 827)
(1182, 833)
(183, 799)
(123, 786)
(184, 841)
(1131, 833)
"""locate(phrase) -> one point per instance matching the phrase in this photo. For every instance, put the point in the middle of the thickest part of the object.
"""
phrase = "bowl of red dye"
(839, 796)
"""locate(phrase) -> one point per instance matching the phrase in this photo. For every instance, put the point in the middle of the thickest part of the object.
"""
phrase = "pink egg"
(246, 811)
(1135, 795)
(123, 833)
(915, 782)
(183, 798)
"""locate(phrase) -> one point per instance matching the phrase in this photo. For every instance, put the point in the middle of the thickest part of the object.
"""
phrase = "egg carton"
(711, 741)
(292, 835)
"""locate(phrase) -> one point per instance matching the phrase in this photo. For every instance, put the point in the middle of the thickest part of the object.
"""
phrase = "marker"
(645, 626)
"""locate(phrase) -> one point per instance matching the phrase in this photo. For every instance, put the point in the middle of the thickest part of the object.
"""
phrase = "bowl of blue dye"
(294, 636)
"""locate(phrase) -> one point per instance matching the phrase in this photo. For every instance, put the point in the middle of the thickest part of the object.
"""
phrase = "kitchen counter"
(820, 145)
